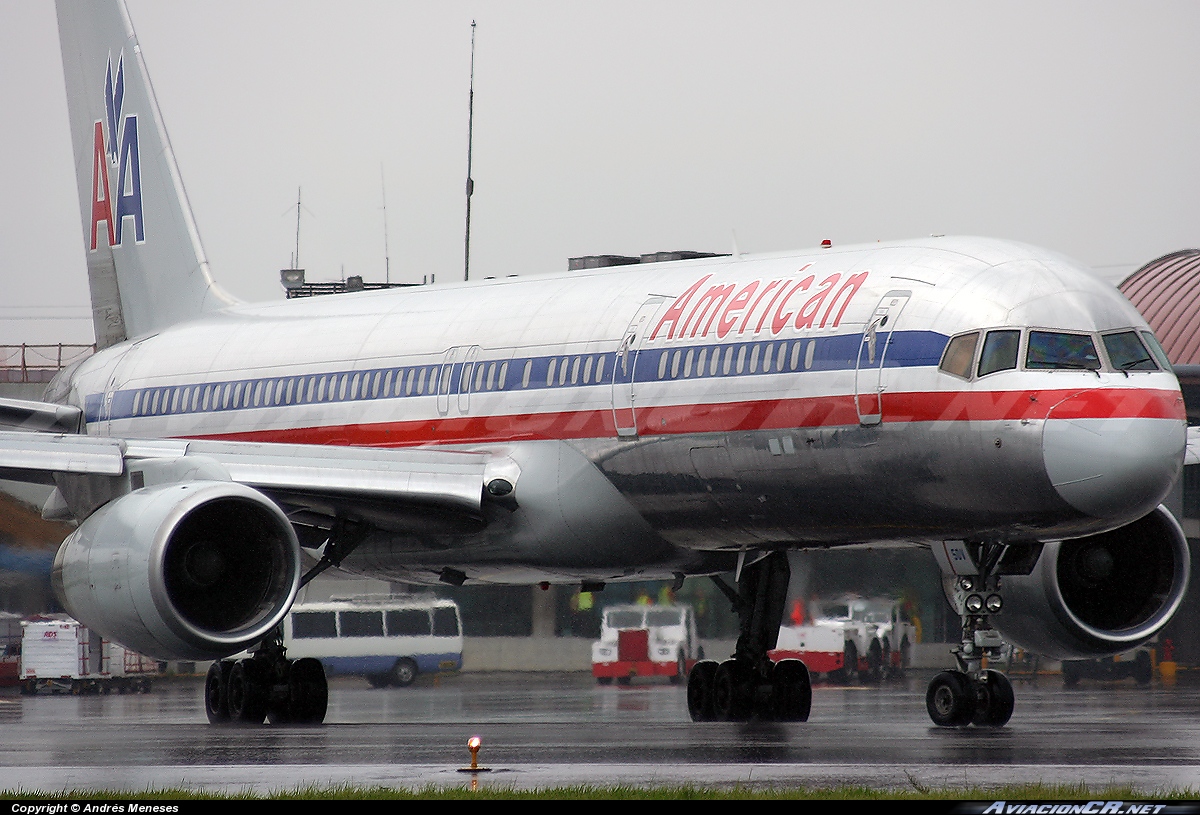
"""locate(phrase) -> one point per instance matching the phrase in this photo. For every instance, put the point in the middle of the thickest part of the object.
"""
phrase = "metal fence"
(38, 363)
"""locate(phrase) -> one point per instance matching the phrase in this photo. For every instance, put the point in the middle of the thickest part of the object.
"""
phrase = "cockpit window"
(1052, 349)
(960, 353)
(1126, 352)
(999, 351)
(1157, 350)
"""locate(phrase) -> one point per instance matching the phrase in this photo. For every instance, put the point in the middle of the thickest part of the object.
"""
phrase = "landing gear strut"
(268, 685)
(973, 694)
(750, 684)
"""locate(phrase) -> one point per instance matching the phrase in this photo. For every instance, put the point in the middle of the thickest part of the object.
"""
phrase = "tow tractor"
(867, 639)
(637, 640)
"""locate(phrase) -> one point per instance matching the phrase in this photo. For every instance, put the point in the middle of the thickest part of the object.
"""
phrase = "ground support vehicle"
(850, 639)
(822, 647)
(390, 640)
(64, 656)
(643, 641)
(1137, 666)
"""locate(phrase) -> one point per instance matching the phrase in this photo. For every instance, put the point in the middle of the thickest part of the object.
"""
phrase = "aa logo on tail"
(115, 158)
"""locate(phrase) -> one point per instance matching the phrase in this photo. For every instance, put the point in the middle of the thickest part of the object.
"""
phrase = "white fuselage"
(732, 402)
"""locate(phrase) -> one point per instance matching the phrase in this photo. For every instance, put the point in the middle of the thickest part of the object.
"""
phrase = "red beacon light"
(825, 244)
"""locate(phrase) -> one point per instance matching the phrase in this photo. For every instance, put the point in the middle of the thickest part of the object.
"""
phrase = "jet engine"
(188, 570)
(1100, 595)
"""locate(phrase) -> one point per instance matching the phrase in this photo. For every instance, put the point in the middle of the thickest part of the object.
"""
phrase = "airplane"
(990, 401)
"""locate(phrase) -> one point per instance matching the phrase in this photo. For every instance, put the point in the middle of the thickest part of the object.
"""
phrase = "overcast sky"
(622, 128)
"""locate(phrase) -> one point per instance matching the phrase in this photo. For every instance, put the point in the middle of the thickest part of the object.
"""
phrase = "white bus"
(389, 640)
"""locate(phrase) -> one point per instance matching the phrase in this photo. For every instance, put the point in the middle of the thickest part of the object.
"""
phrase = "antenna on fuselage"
(470, 181)
(387, 265)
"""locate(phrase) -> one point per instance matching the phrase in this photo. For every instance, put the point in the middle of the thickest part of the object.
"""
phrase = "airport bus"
(388, 639)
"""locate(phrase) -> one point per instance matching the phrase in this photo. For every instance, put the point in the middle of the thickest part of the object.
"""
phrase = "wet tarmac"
(541, 730)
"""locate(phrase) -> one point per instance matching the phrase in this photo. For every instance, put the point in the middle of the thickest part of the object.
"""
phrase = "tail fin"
(146, 268)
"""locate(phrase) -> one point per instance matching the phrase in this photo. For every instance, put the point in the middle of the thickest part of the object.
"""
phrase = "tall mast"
(470, 182)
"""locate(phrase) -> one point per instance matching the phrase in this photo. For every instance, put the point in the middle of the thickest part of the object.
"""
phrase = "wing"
(313, 484)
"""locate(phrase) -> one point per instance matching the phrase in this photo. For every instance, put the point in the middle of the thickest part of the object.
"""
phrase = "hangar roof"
(1167, 293)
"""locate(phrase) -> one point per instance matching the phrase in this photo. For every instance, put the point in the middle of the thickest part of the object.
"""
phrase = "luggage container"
(63, 656)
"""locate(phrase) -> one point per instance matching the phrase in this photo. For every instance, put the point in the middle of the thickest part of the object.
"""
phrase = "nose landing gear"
(750, 685)
(973, 694)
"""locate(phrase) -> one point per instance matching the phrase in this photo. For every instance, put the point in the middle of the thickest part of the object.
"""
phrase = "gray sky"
(619, 127)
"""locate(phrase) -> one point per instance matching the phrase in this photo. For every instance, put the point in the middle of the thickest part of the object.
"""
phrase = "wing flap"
(61, 453)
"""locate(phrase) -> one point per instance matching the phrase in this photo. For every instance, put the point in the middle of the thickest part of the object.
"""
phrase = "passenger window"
(525, 374)
(600, 368)
(1051, 350)
(491, 376)
(959, 354)
(662, 364)
(1126, 352)
(479, 372)
(502, 377)
(999, 352)
(313, 624)
(445, 622)
(361, 623)
(408, 623)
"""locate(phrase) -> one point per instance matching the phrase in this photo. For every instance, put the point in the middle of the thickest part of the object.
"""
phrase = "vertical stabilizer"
(146, 267)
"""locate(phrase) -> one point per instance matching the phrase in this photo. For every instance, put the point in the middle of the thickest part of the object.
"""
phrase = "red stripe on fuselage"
(768, 414)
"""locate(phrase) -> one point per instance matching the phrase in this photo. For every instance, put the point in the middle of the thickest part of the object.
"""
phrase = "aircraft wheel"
(404, 672)
(733, 691)
(791, 691)
(950, 699)
(308, 691)
(1070, 673)
(700, 691)
(604, 680)
(216, 684)
(994, 700)
(247, 693)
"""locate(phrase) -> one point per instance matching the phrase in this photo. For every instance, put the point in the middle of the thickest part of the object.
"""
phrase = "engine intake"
(1100, 595)
(188, 570)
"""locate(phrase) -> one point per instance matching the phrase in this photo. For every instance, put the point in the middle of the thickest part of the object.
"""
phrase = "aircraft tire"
(247, 693)
(733, 691)
(950, 699)
(308, 691)
(791, 691)
(994, 700)
(216, 699)
(700, 691)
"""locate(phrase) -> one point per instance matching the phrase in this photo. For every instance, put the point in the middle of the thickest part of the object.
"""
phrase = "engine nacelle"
(1101, 595)
(188, 570)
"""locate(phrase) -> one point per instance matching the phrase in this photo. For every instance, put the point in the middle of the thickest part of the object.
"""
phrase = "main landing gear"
(973, 694)
(749, 684)
(269, 686)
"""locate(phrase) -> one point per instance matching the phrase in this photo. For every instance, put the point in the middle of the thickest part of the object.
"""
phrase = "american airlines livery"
(990, 401)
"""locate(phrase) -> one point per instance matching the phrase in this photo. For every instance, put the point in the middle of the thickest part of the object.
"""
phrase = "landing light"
(994, 603)
(974, 603)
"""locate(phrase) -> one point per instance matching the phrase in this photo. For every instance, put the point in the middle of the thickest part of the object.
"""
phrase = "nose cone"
(1116, 467)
